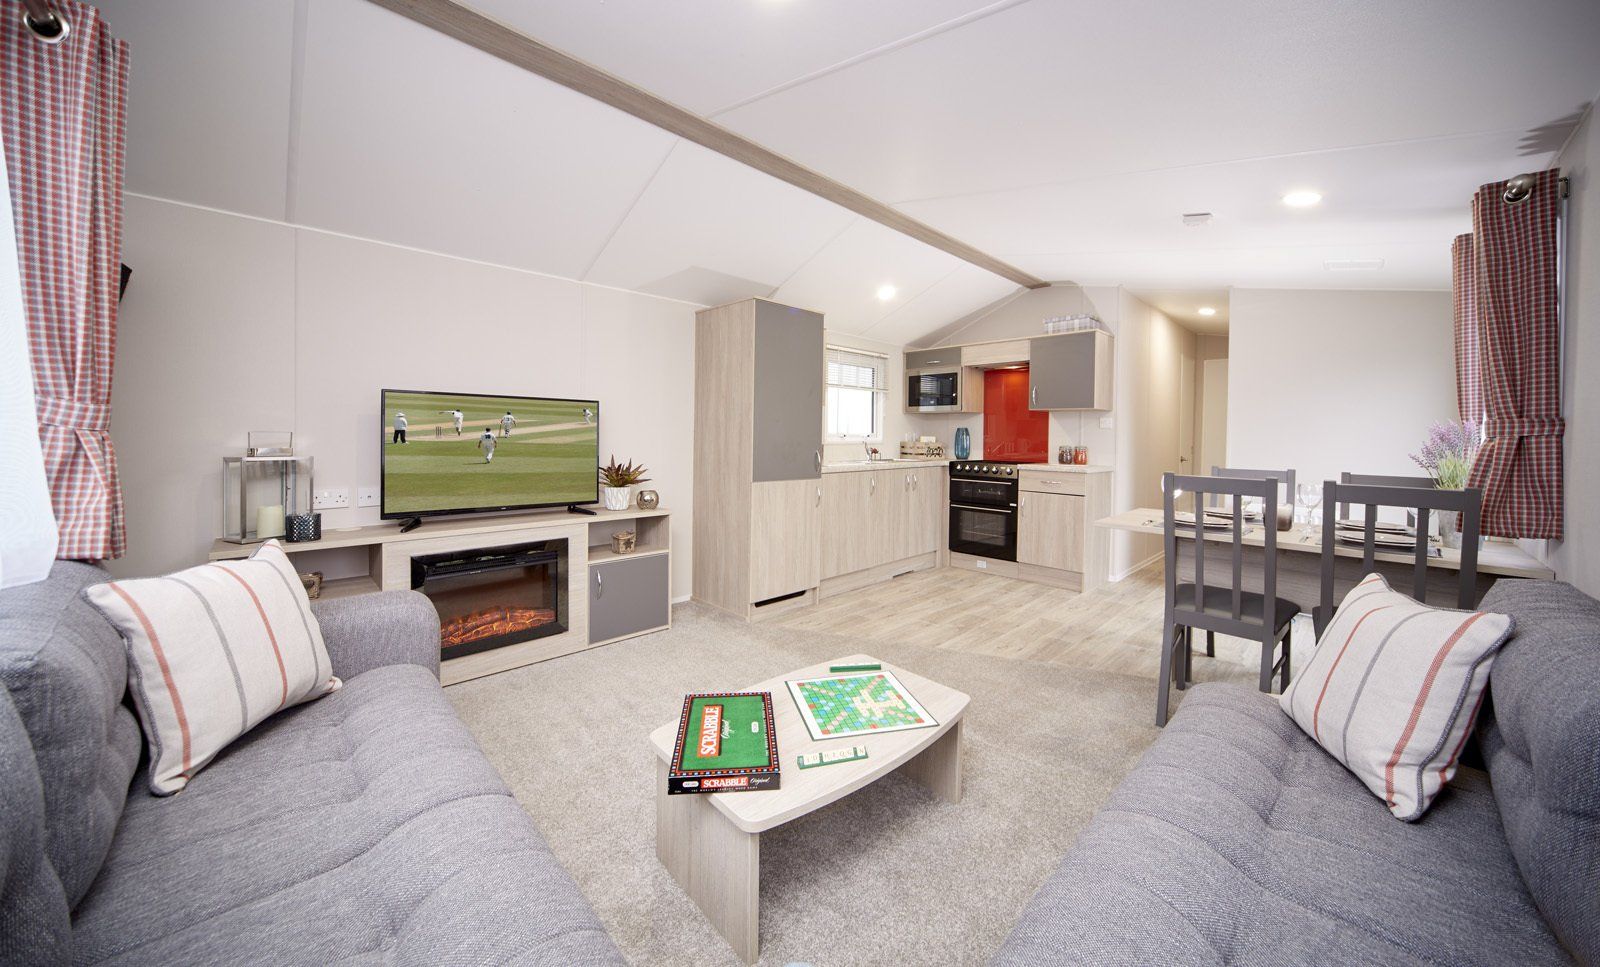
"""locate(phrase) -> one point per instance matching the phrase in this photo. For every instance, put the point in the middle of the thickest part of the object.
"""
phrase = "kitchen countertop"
(851, 466)
(1064, 468)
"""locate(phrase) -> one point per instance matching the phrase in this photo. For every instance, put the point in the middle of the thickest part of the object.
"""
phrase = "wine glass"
(1310, 497)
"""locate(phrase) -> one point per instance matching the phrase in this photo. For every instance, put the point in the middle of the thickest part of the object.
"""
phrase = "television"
(464, 453)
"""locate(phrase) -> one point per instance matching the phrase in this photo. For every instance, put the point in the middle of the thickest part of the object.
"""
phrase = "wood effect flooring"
(1115, 628)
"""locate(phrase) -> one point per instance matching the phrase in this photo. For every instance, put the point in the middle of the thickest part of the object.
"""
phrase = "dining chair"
(1420, 500)
(1379, 480)
(1285, 477)
(1257, 615)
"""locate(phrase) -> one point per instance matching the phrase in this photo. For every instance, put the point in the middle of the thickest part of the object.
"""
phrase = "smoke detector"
(1196, 219)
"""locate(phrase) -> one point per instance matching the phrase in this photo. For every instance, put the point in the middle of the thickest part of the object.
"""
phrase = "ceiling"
(1064, 137)
(1183, 307)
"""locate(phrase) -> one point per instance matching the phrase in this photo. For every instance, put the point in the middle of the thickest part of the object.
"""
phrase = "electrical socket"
(1105, 423)
(367, 497)
(331, 499)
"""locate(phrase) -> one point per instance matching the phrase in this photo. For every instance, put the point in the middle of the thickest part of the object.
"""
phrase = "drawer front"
(1044, 482)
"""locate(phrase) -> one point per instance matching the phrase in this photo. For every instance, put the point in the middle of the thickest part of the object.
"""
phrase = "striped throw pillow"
(1393, 688)
(212, 651)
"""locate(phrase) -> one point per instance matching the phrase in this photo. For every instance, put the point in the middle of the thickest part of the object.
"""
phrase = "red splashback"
(1012, 433)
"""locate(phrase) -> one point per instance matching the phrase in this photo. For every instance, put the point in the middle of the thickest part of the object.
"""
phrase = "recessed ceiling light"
(1207, 311)
(1302, 198)
(887, 292)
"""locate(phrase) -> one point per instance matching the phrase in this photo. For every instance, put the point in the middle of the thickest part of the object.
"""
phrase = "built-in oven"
(983, 509)
(934, 391)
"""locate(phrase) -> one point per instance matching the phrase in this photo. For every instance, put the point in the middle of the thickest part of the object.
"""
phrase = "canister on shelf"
(1080, 455)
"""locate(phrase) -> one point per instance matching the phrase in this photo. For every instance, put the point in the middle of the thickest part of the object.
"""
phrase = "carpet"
(888, 873)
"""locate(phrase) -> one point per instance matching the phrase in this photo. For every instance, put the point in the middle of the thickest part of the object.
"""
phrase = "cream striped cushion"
(1393, 688)
(211, 652)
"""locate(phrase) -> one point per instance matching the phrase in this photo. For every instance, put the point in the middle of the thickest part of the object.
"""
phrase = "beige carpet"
(886, 874)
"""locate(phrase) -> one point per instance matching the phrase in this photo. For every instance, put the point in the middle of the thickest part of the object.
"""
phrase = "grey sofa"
(1236, 840)
(366, 826)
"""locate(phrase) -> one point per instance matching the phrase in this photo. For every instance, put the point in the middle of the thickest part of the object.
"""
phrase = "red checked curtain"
(1469, 377)
(63, 117)
(1519, 466)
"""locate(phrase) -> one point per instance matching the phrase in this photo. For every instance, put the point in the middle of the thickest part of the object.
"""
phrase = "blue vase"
(963, 443)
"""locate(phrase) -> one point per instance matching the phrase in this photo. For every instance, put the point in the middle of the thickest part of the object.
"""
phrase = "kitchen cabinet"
(872, 518)
(1050, 530)
(785, 551)
(947, 358)
(628, 596)
(1006, 353)
(1071, 371)
(757, 456)
(925, 512)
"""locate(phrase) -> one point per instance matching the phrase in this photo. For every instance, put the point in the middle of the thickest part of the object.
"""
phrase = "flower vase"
(1450, 528)
(963, 443)
(616, 498)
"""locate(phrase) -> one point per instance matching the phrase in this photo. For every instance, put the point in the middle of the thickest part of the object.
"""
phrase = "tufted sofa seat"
(364, 827)
(1237, 840)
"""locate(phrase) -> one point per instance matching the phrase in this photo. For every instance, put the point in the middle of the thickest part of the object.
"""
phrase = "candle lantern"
(259, 492)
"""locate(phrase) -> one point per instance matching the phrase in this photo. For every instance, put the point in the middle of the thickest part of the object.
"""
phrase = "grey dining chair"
(1285, 477)
(1379, 480)
(1258, 615)
(1422, 501)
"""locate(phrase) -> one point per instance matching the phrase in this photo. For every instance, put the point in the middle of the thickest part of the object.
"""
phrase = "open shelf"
(600, 553)
(347, 587)
(652, 538)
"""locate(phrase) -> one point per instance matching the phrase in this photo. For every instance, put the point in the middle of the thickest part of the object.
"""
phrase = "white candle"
(269, 522)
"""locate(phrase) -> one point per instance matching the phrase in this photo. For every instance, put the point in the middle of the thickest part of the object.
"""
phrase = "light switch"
(367, 497)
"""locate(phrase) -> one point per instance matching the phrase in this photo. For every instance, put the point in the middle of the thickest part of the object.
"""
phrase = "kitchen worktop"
(1063, 468)
(850, 466)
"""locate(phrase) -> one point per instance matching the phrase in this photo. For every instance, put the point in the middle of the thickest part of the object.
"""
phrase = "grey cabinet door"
(628, 595)
(788, 394)
(1061, 372)
(926, 358)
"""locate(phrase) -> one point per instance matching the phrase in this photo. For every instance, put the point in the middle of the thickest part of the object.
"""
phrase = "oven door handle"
(992, 510)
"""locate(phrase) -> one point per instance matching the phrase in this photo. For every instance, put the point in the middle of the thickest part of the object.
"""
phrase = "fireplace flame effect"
(492, 623)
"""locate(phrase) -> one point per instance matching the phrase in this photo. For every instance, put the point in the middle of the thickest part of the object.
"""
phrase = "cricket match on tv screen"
(446, 452)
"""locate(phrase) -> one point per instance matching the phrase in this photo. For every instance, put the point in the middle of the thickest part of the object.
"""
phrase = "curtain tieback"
(1528, 427)
(74, 415)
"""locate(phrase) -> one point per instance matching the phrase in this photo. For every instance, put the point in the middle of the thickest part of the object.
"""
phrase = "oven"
(934, 391)
(983, 509)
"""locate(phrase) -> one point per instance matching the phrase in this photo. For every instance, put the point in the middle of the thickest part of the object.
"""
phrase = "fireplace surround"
(491, 597)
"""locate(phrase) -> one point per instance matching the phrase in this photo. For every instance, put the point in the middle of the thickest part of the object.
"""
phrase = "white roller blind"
(854, 369)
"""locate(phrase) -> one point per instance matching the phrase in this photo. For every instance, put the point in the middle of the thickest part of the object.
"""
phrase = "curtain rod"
(46, 23)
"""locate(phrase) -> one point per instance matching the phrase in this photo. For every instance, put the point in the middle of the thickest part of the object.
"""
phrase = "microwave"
(934, 391)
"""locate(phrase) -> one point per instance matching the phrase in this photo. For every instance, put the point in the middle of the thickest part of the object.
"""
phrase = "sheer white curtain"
(27, 524)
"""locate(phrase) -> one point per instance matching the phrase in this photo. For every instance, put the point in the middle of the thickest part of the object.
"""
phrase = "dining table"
(1300, 560)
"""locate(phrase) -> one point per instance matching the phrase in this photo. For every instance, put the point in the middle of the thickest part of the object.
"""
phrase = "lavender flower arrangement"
(1448, 453)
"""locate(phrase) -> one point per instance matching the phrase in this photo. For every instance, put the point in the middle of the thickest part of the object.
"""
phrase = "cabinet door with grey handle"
(628, 596)
(949, 358)
(788, 394)
(1061, 372)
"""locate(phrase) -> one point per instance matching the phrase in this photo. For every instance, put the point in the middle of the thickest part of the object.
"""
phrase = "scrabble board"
(860, 703)
(727, 742)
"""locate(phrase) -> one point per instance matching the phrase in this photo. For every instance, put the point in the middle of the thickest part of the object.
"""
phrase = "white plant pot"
(616, 498)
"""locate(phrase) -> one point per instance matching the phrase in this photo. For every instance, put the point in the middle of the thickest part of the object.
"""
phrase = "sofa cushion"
(1540, 743)
(212, 652)
(66, 672)
(366, 826)
(34, 922)
(1237, 840)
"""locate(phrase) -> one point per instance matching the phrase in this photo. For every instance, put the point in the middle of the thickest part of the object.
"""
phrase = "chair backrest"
(1284, 477)
(1238, 621)
(1468, 503)
(1379, 480)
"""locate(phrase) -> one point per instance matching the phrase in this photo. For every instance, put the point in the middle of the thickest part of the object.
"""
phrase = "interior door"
(1186, 397)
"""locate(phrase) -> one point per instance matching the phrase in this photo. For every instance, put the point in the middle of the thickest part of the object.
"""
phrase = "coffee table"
(711, 843)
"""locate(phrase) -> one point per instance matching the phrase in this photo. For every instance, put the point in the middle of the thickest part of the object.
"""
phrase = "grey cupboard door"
(948, 358)
(1061, 372)
(788, 394)
(628, 595)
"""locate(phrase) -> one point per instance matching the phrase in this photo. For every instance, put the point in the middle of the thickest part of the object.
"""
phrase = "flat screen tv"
(461, 453)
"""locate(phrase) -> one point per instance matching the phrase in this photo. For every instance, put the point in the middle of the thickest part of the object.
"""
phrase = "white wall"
(1327, 381)
(233, 324)
(1577, 558)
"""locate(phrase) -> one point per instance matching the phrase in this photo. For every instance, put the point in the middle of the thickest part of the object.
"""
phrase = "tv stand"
(575, 509)
(410, 525)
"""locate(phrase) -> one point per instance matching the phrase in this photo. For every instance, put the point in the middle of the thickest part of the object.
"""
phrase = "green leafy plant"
(615, 474)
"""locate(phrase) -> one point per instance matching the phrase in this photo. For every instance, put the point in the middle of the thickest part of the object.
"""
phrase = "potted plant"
(1447, 457)
(617, 482)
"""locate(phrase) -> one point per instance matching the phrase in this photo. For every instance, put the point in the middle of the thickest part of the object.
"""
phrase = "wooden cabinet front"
(1050, 530)
(785, 540)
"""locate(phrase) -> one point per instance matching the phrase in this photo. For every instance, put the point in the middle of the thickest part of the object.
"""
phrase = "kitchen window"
(856, 384)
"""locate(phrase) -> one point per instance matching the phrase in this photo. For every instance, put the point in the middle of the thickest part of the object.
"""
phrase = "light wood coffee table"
(711, 843)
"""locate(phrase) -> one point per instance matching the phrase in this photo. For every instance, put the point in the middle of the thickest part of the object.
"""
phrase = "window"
(856, 384)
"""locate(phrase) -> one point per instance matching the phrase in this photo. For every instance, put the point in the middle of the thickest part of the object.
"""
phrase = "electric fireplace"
(491, 597)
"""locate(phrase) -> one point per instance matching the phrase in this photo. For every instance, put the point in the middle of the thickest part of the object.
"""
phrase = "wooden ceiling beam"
(514, 47)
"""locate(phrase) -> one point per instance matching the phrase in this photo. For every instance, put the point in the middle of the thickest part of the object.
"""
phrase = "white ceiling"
(1063, 136)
